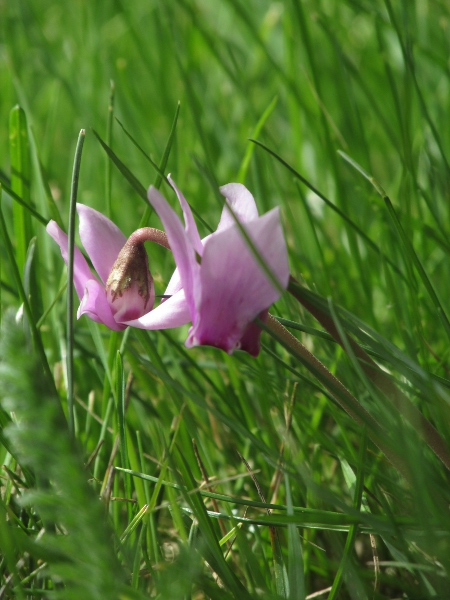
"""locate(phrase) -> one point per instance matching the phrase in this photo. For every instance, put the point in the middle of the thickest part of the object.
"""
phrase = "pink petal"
(250, 340)
(131, 305)
(96, 306)
(190, 224)
(241, 202)
(173, 312)
(81, 271)
(181, 247)
(174, 284)
(234, 287)
(101, 238)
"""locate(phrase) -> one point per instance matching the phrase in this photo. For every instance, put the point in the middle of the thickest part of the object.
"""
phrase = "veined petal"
(234, 287)
(173, 312)
(190, 224)
(180, 244)
(101, 238)
(81, 271)
(240, 201)
(96, 306)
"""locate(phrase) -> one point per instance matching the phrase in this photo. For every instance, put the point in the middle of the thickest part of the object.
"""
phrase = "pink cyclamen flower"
(219, 284)
(103, 242)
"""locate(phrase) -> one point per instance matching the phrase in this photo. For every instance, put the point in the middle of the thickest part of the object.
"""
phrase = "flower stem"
(148, 234)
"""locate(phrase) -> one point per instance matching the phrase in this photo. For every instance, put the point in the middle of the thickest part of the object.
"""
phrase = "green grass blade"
(350, 541)
(243, 169)
(22, 203)
(27, 308)
(410, 253)
(167, 149)
(109, 140)
(339, 392)
(296, 575)
(333, 207)
(318, 308)
(132, 180)
(214, 552)
(161, 175)
(70, 284)
(20, 181)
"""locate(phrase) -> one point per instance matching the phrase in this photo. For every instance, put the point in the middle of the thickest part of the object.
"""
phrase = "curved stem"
(148, 234)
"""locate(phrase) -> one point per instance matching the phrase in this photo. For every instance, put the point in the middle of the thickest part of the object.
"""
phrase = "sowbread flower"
(219, 284)
(103, 298)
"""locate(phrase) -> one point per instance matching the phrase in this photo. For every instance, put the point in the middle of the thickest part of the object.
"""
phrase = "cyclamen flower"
(105, 244)
(219, 284)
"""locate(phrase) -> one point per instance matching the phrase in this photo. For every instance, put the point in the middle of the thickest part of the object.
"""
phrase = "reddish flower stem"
(148, 234)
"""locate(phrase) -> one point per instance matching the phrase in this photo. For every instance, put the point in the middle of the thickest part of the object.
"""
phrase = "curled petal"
(181, 247)
(101, 238)
(81, 271)
(234, 286)
(190, 224)
(241, 203)
(173, 312)
(96, 306)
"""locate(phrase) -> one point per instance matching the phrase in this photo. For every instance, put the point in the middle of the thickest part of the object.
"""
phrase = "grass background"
(307, 79)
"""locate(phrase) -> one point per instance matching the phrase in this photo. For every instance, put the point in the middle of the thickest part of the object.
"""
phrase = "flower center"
(130, 278)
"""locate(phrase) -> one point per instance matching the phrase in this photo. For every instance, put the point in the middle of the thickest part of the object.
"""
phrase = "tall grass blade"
(210, 542)
(26, 305)
(373, 372)
(358, 488)
(109, 140)
(250, 147)
(410, 254)
(20, 181)
(295, 569)
(333, 207)
(70, 283)
(132, 180)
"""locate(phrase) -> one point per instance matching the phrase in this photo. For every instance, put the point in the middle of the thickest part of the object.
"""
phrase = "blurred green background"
(308, 78)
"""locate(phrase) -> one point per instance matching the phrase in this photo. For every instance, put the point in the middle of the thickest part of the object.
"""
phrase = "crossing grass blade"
(132, 180)
(409, 252)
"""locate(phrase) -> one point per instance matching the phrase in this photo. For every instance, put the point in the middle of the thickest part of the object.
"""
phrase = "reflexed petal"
(81, 271)
(101, 238)
(95, 305)
(241, 202)
(181, 247)
(234, 287)
(190, 224)
(173, 312)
